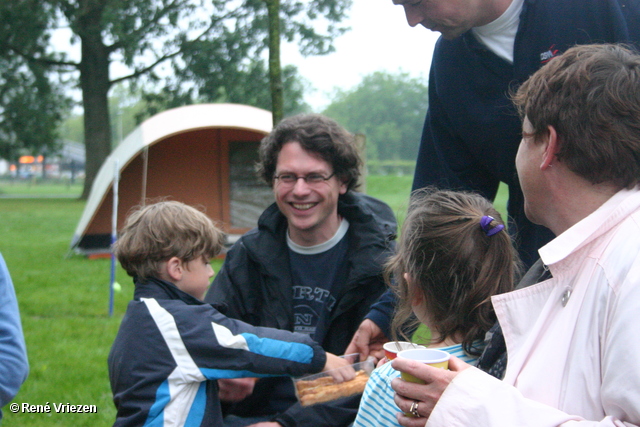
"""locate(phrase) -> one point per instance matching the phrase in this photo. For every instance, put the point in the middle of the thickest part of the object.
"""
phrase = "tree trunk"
(95, 84)
(275, 70)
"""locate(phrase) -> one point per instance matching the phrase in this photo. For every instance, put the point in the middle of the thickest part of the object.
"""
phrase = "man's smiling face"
(311, 209)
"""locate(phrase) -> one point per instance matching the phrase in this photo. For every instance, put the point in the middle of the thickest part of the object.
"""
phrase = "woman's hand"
(422, 398)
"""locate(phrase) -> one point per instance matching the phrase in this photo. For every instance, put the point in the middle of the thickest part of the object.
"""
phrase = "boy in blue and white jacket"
(171, 347)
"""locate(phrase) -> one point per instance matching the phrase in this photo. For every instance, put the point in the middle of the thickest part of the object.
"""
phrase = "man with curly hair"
(313, 265)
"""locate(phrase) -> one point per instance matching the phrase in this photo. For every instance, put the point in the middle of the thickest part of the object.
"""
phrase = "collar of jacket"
(162, 290)
(355, 207)
(372, 234)
(372, 229)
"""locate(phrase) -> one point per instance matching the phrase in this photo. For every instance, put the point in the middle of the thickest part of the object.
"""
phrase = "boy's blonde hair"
(155, 233)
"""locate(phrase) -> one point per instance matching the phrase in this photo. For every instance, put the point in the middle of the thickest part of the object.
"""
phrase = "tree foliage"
(142, 35)
(232, 68)
(388, 109)
(248, 85)
(31, 110)
(32, 105)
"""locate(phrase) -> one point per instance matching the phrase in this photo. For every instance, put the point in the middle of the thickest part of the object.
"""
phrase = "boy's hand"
(340, 369)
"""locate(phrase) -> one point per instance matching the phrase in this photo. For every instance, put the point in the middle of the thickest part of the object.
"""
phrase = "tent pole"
(114, 233)
(145, 169)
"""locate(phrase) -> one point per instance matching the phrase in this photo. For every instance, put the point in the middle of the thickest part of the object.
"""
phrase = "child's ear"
(416, 296)
(174, 269)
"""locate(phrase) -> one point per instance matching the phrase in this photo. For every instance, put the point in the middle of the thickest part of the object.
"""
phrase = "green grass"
(395, 190)
(37, 188)
(64, 303)
(64, 308)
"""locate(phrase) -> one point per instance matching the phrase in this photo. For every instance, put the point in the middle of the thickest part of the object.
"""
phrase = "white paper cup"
(392, 348)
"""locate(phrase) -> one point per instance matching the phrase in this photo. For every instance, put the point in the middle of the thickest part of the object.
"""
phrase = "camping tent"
(202, 155)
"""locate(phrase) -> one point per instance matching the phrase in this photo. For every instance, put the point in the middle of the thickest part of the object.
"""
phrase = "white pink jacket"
(568, 365)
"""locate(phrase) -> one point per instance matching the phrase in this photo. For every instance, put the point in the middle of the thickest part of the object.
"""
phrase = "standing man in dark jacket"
(313, 265)
(472, 130)
(488, 48)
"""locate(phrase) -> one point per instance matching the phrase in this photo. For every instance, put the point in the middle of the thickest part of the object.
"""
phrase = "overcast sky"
(379, 39)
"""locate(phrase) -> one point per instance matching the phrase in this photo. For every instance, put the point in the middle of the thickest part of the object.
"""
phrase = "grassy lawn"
(64, 307)
(64, 301)
(395, 190)
(35, 188)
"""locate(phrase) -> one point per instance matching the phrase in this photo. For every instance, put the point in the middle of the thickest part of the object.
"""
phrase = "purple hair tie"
(485, 223)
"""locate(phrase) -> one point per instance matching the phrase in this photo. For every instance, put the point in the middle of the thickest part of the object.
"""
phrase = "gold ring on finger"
(414, 409)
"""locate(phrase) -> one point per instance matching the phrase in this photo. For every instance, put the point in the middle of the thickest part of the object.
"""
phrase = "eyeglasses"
(290, 179)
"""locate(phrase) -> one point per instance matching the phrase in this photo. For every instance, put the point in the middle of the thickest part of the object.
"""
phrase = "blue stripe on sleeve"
(293, 351)
(196, 412)
(269, 347)
(156, 413)
(216, 374)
